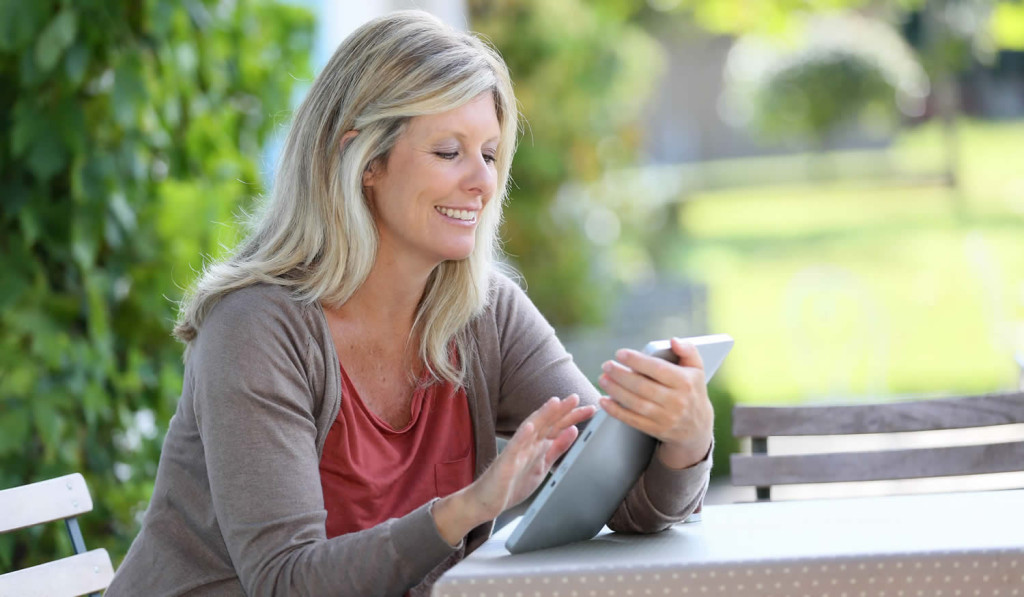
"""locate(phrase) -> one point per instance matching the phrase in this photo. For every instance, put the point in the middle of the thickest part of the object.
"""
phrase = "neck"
(388, 298)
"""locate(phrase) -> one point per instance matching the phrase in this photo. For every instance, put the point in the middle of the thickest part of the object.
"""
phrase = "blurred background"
(839, 184)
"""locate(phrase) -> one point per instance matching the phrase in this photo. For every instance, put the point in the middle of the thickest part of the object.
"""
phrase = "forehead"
(477, 118)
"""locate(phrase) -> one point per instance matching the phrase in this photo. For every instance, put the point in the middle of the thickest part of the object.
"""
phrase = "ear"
(348, 137)
(345, 139)
(370, 174)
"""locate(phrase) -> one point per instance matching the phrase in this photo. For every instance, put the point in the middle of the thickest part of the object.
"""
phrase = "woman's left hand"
(666, 401)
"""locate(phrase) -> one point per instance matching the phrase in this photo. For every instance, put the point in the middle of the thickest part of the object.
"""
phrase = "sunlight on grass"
(853, 289)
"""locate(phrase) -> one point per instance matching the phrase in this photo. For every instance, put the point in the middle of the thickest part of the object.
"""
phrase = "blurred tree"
(820, 94)
(128, 130)
(582, 72)
(847, 69)
(949, 33)
(984, 23)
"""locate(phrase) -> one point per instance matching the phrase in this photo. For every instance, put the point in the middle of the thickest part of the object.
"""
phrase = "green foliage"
(129, 132)
(582, 71)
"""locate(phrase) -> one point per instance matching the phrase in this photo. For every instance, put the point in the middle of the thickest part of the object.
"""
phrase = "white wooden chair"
(63, 498)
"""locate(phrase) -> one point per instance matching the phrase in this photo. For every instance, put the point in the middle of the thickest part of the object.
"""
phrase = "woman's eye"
(489, 158)
(447, 155)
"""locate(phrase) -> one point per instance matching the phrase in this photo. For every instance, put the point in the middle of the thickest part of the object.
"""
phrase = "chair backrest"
(763, 470)
(63, 498)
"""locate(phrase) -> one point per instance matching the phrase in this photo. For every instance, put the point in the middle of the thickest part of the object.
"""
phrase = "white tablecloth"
(956, 544)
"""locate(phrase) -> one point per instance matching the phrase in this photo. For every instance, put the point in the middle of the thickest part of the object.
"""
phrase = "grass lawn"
(858, 288)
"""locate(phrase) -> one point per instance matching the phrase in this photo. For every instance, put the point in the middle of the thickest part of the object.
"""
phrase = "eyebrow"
(460, 135)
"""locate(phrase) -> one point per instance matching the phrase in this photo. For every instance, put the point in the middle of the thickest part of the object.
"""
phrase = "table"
(949, 545)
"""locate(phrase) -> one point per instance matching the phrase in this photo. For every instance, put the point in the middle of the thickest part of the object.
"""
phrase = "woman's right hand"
(516, 472)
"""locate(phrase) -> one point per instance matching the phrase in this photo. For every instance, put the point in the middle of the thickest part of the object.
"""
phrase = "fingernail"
(606, 366)
(602, 380)
(620, 354)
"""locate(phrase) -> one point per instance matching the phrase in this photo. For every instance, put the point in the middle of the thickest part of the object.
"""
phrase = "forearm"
(387, 559)
(684, 455)
(456, 515)
(662, 496)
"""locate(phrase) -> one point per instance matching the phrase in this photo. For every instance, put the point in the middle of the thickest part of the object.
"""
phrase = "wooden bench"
(63, 498)
(763, 470)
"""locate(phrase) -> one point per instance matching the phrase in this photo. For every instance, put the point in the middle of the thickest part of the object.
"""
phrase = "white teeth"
(458, 214)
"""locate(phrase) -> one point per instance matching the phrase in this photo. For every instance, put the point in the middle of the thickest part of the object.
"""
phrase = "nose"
(480, 178)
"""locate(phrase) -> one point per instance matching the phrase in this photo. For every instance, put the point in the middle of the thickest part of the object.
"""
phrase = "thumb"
(688, 354)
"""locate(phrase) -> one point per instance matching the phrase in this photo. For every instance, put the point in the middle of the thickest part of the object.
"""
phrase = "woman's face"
(439, 176)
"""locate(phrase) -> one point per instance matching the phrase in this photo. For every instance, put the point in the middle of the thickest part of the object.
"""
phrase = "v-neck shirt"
(371, 472)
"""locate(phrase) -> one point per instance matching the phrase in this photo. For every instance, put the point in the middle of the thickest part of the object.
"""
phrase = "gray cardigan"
(237, 508)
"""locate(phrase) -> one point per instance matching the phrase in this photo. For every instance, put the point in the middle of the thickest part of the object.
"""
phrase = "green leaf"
(55, 38)
(90, 177)
(15, 195)
(47, 422)
(86, 230)
(122, 212)
(47, 155)
(129, 91)
(96, 404)
(24, 129)
(14, 276)
(75, 63)
(14, 428)
(19, 22)
(99, 321)
(29, 226)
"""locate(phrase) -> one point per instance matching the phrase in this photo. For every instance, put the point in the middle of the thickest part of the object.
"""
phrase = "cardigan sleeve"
(536, 366)
(255, 412)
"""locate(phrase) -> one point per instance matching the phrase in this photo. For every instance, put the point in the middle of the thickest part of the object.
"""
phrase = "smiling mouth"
(464, 215)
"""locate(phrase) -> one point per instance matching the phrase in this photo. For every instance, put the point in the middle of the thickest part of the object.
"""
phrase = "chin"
(457, 254)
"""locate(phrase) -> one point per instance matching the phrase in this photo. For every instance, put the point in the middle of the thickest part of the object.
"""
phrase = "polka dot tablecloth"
(948, 545)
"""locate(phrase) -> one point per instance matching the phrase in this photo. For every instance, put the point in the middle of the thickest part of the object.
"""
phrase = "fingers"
(644, 374)
(545, 435)
(545, 425)
(549, 430)
(631, 418)
(576, 416)
(555, 415)
(559, 446)
(656, 369)
(647, 400)
(653, 395)
(617, 375)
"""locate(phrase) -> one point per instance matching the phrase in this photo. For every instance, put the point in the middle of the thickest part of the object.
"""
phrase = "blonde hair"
(316, 235)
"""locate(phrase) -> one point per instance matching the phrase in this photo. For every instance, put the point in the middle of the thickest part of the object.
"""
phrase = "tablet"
(599, 469)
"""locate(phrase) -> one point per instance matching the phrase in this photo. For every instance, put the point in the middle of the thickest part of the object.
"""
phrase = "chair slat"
(920, 415)
(82, 574)
(54, 499)
(873, 466)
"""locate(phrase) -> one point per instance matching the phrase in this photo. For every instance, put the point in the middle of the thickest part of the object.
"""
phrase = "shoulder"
(510, 314)
(256, 314)
(506, 295)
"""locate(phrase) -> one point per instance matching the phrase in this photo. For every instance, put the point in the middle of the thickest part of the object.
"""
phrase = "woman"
(348, 369)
